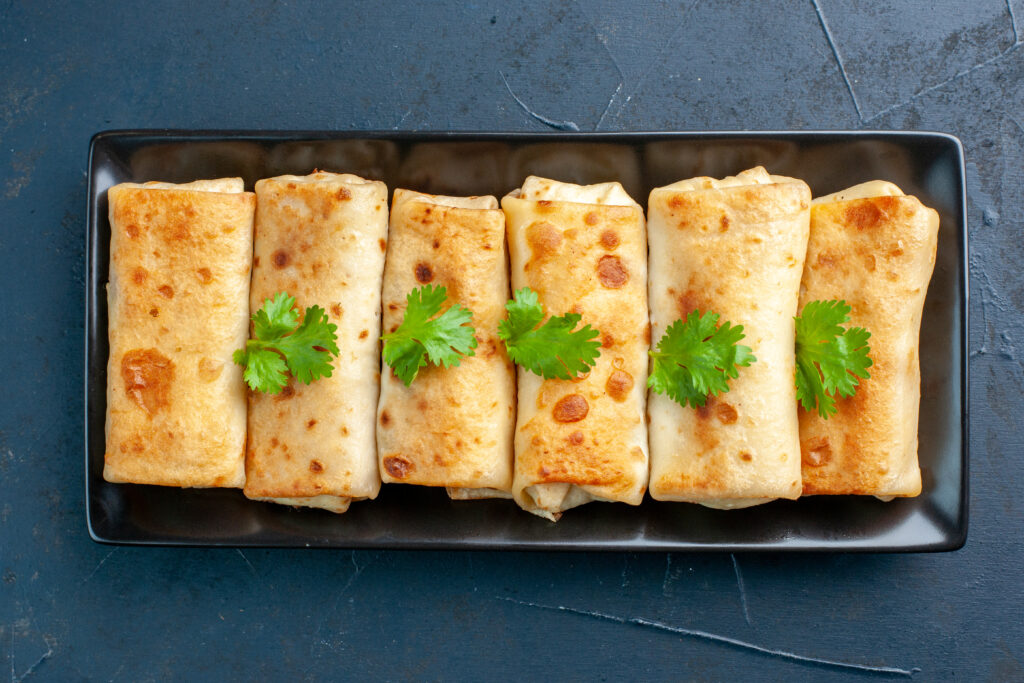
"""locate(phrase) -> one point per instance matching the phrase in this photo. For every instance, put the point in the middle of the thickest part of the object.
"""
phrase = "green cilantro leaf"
(283, 345)
(696, 358)
(421, 338)
(829, 359)
(553, 350)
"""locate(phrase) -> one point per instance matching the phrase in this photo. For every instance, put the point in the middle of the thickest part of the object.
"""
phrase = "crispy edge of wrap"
(322, 239)
(873, 247)
(736, 247)
(582, 249)
(453, 426)
(180, 257)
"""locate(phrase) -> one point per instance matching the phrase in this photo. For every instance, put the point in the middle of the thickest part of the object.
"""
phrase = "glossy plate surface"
(928, 165)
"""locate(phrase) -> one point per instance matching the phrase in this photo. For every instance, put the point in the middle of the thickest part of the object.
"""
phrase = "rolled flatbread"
(451, 427)
(583, 250)
(734, 247)
(873, 247)
(178, 301)
(321, 238)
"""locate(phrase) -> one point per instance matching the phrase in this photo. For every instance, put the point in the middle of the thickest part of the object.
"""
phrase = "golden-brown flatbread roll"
(734, 247)
(582, 249)
(180, 257)
(321, 238)
(874, 248)
(451, 427)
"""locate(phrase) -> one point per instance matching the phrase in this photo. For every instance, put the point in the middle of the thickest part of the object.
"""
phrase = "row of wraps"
(190, 262)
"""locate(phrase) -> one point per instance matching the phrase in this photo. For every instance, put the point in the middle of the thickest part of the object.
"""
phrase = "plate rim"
(955, 537)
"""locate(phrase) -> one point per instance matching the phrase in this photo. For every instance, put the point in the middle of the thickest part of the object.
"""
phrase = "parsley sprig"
(554, 350)
(283, 345)
(696, 358)
(422, 338)
(829, 358)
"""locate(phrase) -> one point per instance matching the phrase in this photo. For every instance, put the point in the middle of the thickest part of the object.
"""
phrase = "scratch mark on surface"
(557, 125)
(600, 119)
(117, 673)
(743, 590)
(625, 571)
(725, 640)
(646, 69)
(1013, 23)
(959, 74)
(402, 120)
(991, 299)
(50, 642)
(668, 574)
(348, 584)
(354, 575)
(838, 57)
(251, 568)
(604, 43)
(97, 567)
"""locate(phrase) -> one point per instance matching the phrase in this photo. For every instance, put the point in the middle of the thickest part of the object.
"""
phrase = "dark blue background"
(73, 609)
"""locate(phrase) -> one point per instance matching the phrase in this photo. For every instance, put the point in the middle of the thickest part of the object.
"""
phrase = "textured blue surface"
(72, 609)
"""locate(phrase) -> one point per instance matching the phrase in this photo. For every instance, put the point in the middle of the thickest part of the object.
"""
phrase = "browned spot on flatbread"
(364, 334)
(315, 466)
(210, 369)
(147, 376)
(723, 223)
(166, 291)
(607, 341)
(424, 273)
(280, 258)
(544, 239)
(336, 310)
(816, 451)
(398, 467)
(385, 419)
(827, 259)
(132, 230)
(571, 408)
(870, 213)
(576, 438)
(383, 244)
(611, 272)
(619, 384)
(725, 413)
(155, 312)
(311, 423)
(139, 275)
(692, 300)
(205, 276)
(609, 239)
(343, 194)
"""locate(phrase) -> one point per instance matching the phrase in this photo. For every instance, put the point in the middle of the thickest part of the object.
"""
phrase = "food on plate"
(873, 247)
(830, 359)
(554, 348)
(180, 258)
(696, 357)
(582, 249)
(287, 342)
(446, 411)
(734, 247)
(576, 162)
(321, 238)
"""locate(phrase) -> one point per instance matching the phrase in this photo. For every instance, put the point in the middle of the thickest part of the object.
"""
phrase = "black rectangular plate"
(928, 165)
